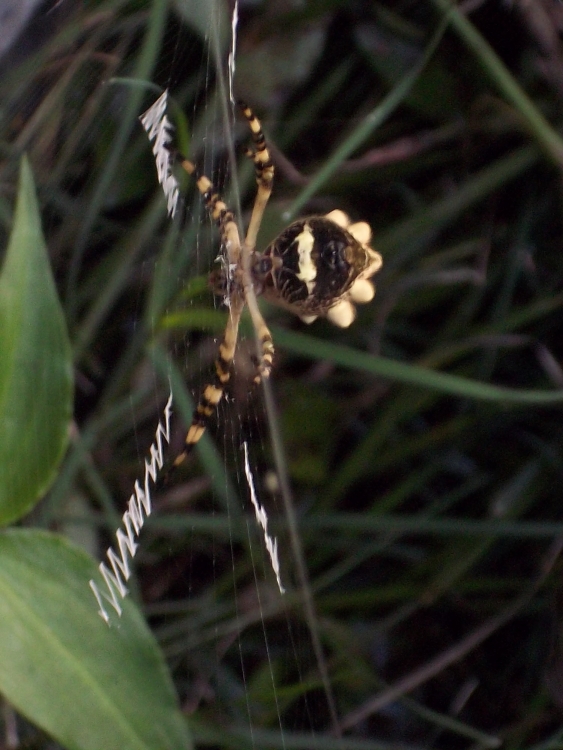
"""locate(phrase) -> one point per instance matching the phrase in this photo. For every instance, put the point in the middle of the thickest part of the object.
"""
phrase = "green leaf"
(88, 685)
(35, 364)
(443, 382)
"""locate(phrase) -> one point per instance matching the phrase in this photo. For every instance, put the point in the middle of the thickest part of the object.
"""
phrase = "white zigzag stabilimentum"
(159, 130)
(138, 509)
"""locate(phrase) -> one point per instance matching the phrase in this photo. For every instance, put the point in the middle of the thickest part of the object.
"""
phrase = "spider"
(319, 266)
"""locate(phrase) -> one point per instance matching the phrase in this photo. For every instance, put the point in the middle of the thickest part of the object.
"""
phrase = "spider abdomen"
(314, 265)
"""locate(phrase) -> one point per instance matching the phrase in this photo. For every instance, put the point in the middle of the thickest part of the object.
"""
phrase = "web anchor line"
(138, 509)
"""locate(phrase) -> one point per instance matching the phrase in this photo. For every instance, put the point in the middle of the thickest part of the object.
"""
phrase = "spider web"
(281, 481)
(256, 423)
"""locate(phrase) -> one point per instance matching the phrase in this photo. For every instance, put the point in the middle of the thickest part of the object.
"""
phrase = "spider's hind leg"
(214, 390)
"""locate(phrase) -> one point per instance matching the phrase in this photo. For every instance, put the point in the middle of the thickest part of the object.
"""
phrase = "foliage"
(423, 444)
(111, 685)
(36, 369)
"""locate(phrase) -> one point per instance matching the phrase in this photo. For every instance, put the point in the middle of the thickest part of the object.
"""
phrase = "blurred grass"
(423, 444)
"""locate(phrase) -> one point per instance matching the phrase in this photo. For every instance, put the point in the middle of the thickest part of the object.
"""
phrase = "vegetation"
(420, 540)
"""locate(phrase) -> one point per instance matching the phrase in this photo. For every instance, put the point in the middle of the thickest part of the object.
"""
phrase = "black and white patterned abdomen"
(319, 262)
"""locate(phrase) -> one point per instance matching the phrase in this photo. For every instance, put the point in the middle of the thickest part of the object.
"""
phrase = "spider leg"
(263, 335)
(237, 257)
(213, 392)
(264, 170)
(218, 210)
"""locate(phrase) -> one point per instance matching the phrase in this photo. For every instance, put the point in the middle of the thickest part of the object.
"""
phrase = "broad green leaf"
(35, 364)
(88, 685)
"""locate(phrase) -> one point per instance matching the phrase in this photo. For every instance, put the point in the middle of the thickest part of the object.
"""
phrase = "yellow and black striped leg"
(264, 179)
(264, 169)
(230, 237)
(242, 290)
(263, 336)
(213, 391)
(218, 210)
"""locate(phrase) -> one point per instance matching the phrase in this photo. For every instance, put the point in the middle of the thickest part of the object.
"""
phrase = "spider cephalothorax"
(318, 266)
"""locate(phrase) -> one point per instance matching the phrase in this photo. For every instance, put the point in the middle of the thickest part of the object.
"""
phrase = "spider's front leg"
(264, 170)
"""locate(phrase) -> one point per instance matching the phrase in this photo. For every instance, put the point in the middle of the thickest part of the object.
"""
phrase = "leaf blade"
(86, 684)
(36, 383)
